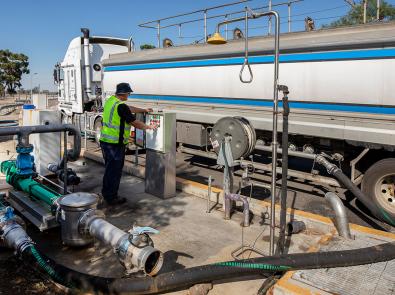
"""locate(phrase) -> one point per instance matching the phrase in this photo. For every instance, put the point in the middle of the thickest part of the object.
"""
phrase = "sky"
(42, 29)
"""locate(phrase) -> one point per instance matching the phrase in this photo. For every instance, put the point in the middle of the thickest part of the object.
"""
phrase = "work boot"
(116, 201)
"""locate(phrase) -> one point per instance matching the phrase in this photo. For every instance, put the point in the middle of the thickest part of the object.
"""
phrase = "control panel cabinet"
(161, 139)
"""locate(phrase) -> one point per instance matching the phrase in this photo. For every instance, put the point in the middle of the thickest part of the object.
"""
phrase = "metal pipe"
(145, 258)
(290, 152)
(378, 9)
(193, 12)
(275, 122)
(295, 227)
(24, 132)
(131, 47)
(158, 33)
(270, 19)
(226, 28)
(223, 15)
(85, 130)
(365, 4)
(205, 25)
(106, 232)
(289, 17)
(292, 173)
(342, 224)
(88, 87)
(246, 207)
(209, 194)
(65, 163)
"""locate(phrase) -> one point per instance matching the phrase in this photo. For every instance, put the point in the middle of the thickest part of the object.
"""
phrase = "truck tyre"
(379, 185)
(97, 127)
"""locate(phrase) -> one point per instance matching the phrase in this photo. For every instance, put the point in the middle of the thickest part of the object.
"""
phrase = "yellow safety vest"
(112, 122)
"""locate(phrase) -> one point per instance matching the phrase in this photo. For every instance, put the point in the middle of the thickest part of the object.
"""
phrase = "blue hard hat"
(123, 88)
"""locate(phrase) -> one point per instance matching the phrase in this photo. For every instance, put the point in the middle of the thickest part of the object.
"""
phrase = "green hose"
(47, 268)
(262, 266)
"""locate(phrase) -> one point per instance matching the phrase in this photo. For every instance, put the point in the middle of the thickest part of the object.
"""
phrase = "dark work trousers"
(114, 158)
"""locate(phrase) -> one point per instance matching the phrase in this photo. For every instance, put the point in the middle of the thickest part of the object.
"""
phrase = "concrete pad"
(188, 235)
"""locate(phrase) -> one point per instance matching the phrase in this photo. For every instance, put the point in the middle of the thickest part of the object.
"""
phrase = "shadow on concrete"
(170, 261)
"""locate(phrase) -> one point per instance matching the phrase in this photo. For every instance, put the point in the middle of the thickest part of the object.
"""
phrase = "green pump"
(27, 184)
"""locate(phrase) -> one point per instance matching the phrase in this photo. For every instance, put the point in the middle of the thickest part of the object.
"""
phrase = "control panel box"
(162, 138)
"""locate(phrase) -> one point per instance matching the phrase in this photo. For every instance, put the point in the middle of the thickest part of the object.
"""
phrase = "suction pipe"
(87, 66)
(24, 132)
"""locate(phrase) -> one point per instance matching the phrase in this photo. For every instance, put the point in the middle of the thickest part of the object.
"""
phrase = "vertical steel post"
(85, 132)
(136, 156)
(205, 26)
(365, 6)
(378, 9)
(226, 28)
(274, 139)
(270, 18)
(289, 17)
(158, 33)
(65, 163)
(208, 194)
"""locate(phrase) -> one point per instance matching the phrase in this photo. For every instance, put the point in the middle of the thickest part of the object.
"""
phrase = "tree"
(355, 15)
(147, 46)
(12, 67)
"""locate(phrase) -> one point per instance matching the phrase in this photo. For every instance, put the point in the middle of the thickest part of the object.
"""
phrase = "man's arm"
(140, 125)
(136, 110)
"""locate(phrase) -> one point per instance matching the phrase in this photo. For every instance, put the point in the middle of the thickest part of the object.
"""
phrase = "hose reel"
(241, 132)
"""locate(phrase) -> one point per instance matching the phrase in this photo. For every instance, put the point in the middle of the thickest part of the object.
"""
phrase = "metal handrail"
(159, 26)
(144, 25)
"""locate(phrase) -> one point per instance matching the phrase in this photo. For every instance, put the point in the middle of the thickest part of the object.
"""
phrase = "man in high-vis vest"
(117, 121)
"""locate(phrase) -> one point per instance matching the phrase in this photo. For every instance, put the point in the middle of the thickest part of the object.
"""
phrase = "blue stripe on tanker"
(268, 103)
(296, 57)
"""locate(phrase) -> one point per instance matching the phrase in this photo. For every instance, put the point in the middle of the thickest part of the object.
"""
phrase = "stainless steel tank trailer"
(76, 213)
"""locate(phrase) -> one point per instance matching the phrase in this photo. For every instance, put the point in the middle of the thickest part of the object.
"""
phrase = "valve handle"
(246, 63)
(139, 230)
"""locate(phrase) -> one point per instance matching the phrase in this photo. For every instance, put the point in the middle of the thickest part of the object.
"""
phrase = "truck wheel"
(379, 185)
(97, 128)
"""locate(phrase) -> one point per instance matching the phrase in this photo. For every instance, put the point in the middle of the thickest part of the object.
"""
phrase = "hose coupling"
(136, 251)
(12, 234)
(331, 168)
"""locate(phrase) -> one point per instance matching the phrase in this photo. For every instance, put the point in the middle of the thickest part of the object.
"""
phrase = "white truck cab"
(79, 75)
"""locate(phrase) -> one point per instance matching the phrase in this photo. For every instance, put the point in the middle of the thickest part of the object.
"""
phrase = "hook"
(246, 63)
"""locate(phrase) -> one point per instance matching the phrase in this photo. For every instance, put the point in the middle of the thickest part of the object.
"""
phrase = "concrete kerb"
(313, 221)
(257, 207)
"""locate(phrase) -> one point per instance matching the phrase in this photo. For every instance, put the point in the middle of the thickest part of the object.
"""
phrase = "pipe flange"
(86, 219)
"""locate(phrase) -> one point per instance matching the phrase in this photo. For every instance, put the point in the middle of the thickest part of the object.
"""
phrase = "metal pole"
(270, 18)
(208, 194)
(274, 139)
(289, 17)
(205, 26)
(365, 3)
(85, 132)
(378, 9)
(226, 28)
(136, 156)
(65, 163)
(158, 33)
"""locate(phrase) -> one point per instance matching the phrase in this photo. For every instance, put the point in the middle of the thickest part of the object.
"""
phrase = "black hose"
(284, 174)
(185, 278)
(374, 209)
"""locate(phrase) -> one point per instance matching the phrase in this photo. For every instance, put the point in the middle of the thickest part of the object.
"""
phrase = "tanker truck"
(341, 82)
